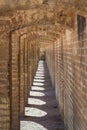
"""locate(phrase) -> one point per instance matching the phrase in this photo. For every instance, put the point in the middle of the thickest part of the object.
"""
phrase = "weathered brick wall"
(69, 78)
(24, 63)
(58, 69)
(50, 56)
(15, 91)
(26, 69)
(32, 61)
(74, 79)
(29, 74)
(22, 74)
(4, 81)
(71, 75)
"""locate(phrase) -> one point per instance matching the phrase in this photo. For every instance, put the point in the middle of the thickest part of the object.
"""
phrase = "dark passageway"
(42, 112)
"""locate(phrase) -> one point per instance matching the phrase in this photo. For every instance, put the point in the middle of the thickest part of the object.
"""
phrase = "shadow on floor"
(42, 112)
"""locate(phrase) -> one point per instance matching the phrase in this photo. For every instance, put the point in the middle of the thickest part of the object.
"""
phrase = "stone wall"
(50, 56)
(71, 75)
(4, 81)
(15, 93)
(18, 63)
(24, 64)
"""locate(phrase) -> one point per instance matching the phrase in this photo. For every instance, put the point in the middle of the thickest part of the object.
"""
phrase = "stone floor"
(42, 112)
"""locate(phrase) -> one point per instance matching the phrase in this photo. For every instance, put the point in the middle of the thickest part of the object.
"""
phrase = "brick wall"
(71, 75)
(15, 90)
(26, 69)
(22, 74)
(24, 61)
(50, 56)
(4, 82)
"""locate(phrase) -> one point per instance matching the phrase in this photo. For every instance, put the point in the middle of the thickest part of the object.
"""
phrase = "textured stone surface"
(4, 82)
(15, 92)
(69, 57)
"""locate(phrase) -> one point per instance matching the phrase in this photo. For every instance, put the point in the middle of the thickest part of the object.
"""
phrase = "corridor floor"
(42, 112)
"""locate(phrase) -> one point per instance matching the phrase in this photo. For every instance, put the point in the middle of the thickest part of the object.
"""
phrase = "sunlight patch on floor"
(34, 112)
(39, 77)
(36, 94)
(36, 88)
(38, 84)
(40, 69)
(34, 101)
(39, 80)
(39, 72)
(30, 125)
(41, 112)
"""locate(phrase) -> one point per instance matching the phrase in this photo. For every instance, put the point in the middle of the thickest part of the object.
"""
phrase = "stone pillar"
(37, 57)
(26, 70)
(15, 98)
(31, 62)
(4, 81)
(22, 74)
(29, 84)
(34, 60)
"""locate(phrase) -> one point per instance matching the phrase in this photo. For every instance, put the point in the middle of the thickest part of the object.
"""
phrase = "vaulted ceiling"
(43, 18)
(77, 5)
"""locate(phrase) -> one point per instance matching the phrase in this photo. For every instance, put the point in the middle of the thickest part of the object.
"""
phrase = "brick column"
(22, 74)
(31, 62)
(26, 69)
(15, 99)
(29, 84)
(4, 81)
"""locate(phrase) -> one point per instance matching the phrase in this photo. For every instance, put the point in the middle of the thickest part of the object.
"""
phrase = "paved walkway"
(42, 112)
